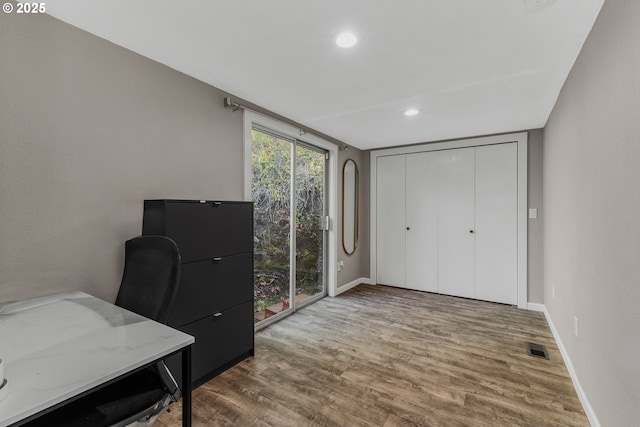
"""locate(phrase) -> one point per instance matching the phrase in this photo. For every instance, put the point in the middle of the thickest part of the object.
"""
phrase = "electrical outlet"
(575, 326)
(340, 265)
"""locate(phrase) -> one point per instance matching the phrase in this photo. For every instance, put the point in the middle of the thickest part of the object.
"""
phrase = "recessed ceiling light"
(411, 112)
(346, 40)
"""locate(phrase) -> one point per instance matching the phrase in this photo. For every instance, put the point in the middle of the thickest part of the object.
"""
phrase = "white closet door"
(422, 221)
(496, 229)
(390, 227)
(456, 254)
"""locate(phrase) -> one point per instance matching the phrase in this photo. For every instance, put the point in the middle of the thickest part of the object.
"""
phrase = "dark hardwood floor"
(381, 356)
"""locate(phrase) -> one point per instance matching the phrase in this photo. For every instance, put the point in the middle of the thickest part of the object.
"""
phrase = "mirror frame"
(356, 205)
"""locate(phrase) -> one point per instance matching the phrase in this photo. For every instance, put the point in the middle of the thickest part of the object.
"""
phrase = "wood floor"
(380, 356)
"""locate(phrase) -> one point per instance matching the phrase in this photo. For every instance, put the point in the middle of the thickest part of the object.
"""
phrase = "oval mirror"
(350, 207)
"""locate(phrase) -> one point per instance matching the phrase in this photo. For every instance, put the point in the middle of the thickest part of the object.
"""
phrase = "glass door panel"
(310, 214)
(271, 189)
(288, 189)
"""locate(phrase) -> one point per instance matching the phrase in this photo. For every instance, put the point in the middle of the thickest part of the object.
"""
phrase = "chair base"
(137, 397)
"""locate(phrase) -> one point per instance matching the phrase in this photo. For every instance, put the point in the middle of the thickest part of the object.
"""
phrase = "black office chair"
(149, 286)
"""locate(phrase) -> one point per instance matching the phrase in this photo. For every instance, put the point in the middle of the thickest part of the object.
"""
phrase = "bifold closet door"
(456, 222)
(447, 222)
(422, 221)
(390, 222)
(496, 231)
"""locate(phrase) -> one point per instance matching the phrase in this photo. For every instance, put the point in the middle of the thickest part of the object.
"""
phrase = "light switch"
(533, 213)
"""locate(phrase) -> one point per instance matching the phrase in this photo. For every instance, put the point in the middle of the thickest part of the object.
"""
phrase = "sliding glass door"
(310, 222)
(288, 189)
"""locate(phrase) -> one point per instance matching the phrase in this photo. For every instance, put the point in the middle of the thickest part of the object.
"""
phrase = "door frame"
(252, 118)
(521, 138)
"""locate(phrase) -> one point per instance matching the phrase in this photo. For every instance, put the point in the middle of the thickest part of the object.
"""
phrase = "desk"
(56, 349)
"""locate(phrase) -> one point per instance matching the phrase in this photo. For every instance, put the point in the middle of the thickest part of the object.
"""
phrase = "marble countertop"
(56, 347)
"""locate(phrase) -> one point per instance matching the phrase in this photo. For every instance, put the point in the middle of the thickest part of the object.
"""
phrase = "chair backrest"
(151, 276)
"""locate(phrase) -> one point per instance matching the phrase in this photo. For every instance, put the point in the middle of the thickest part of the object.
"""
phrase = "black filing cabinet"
(215, 296)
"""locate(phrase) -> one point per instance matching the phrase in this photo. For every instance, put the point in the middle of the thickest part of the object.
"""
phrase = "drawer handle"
(216, 259)
(216, 203)
(217, 314)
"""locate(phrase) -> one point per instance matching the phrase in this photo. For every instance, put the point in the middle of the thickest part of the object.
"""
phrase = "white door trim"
(521, 139)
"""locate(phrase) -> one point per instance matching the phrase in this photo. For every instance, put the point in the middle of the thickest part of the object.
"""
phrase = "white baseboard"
(352, 284)
(534, 306)
(588, 409)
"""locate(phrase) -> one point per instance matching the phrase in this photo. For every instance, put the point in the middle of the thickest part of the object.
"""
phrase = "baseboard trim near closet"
(353, 284)
(534, 306)
(588, 409)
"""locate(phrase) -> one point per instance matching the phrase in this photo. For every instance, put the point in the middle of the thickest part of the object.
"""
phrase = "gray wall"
(534, 227)
(591, 180)
(356, 265)
(88, 130)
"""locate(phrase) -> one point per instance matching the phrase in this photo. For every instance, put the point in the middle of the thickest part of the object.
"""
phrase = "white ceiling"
(472, 67)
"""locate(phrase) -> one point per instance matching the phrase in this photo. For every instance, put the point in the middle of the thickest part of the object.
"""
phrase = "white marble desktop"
(57, 347)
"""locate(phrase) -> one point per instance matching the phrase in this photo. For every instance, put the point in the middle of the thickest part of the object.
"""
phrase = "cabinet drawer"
(219, 340)
(202, 230)
(210, 286)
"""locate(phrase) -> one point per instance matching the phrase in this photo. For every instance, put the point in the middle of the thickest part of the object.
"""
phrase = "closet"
(447, 221)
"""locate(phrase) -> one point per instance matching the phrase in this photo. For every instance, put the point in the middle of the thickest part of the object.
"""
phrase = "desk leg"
(186, 387)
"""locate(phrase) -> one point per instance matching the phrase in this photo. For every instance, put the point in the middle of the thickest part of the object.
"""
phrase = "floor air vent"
(537, 350)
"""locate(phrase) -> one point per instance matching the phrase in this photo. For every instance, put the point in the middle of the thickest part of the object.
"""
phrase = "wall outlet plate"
(531, 6)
